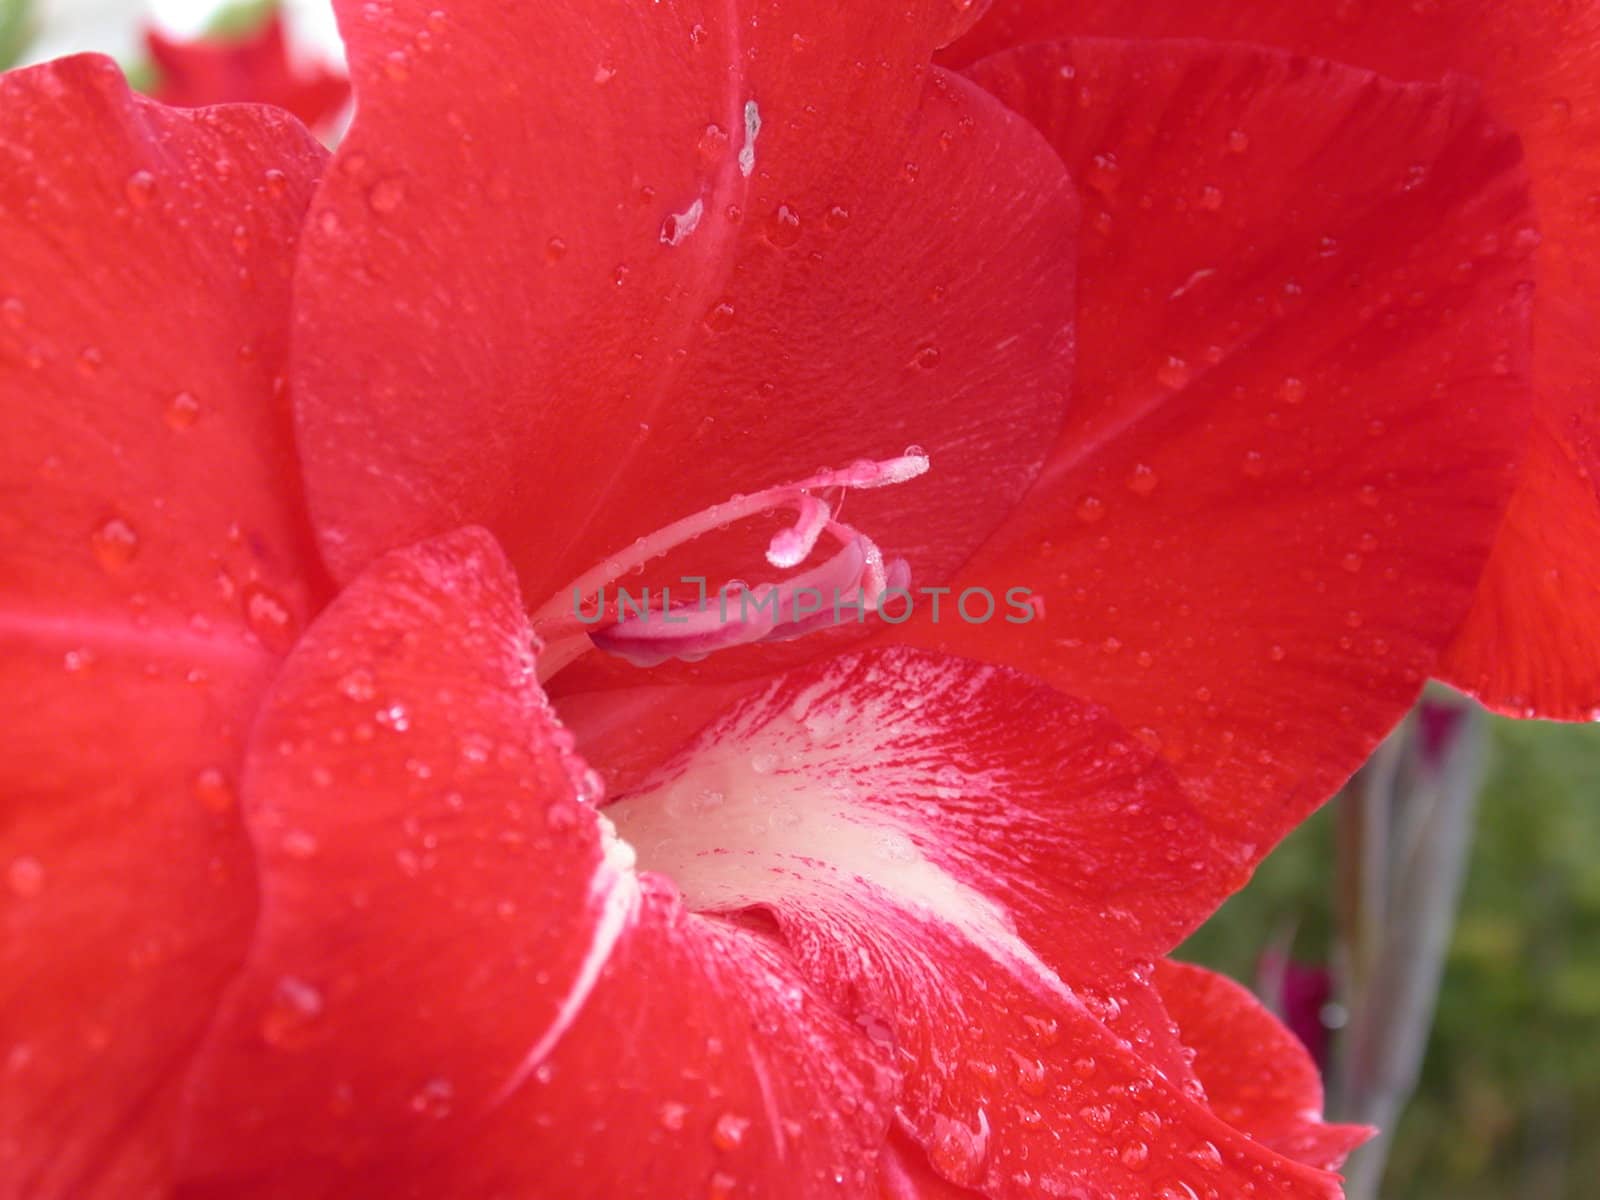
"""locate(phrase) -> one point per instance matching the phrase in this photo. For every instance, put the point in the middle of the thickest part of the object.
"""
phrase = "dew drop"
(783, 227)
(1090, 509)
(1142, 480)
(1238, 141)
(357, 685)
(182, 411)
(926, 357)
(1174, 373)
(1292, 390)
(114, 543)
(1207, 1155)
(386, 195)
(1096, 1116)
(25, 877)
(1031, 1076)
(1104, 173)
(394, 717)
(1252, 464)
(268, 617)
(720, 318)
(1210, 198)
(277, 183)
(1136, 1156)
(555, 250)
(729, 1131)
(212, 789)
(139, 187)
(291, 1013)
(434, 1099)
(713, 142)
(958, 1152)
(836, 218)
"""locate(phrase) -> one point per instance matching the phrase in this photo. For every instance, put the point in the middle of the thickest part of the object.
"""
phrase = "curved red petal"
(154, 558)
(961, 859)
(1256, 1072)
(255, 68)
(457, 986)
(1529, 648)
(1302, 384)
(660, 257)
(1530, 643)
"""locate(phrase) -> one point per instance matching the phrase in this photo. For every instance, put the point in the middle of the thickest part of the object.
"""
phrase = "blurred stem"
(1405, 832)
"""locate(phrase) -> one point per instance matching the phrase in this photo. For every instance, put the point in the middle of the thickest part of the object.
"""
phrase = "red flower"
(309, 893)
(255, 67)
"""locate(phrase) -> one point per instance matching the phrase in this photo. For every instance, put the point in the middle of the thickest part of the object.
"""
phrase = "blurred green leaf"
(16, 30)
(1510, 1095)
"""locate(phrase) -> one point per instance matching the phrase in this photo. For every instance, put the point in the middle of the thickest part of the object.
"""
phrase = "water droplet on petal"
(720, 318)
(115, 543)
(268, 618)
(25, 877)
(1174, 373)
(783, 227)
(140, 186)
(291, 1013)
(728, 1133)
(212, 789)
(434, 1099)
(1142, 480)
(182, 411)
(386, 195)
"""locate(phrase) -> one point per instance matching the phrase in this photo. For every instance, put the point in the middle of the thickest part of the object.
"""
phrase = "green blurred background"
(1509, 1104)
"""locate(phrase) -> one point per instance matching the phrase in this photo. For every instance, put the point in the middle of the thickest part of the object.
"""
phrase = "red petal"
(1531, 643)
(962, 860)
(1531, 646)
(154, 559)
(457, 986)
(254, 68)
(1257, 1074)
(1303, 310)
(496, 329)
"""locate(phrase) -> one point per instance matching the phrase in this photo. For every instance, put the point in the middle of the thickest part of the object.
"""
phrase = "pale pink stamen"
(791, 547)
(850, 584)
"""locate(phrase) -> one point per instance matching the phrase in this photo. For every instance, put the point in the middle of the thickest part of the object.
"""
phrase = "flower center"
(847, 585)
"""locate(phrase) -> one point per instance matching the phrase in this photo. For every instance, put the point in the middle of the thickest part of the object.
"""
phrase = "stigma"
(848, 581)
